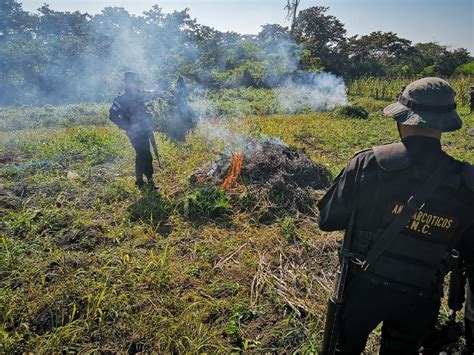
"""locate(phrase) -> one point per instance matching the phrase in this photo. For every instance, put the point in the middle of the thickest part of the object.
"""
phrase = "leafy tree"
(56, 23)
(450, 60)
(380, 53)
(324, 36)
(465, 69)
(14, 22)
(272, 34)
(435, 59)
(427, 54)
(279, 52)
(58, 57)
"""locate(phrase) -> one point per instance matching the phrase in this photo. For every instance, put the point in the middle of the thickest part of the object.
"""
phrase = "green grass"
(48, 116)
(88, 263)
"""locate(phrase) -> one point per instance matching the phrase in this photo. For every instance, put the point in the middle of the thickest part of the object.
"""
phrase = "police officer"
(181, 116)
(404, 287)
(130, 113)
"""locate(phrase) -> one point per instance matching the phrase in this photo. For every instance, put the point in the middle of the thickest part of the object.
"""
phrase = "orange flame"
(236, 166)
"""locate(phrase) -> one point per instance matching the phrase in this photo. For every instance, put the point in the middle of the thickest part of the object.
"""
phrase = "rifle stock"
(155, 148)
(457, 285)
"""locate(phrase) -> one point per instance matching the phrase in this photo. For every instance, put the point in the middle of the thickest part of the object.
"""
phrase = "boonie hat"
(426, 103)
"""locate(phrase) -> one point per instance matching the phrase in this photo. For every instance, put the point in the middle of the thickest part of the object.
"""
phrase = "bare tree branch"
(292, 10)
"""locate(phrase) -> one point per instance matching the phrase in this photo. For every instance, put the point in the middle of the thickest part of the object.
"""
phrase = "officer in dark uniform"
(181, 117)
(130, 113)
(404, 287)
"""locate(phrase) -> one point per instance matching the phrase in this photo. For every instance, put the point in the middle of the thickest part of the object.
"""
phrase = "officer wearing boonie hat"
(131, 77)
(427, 103)
(403, 286)
(129, 112)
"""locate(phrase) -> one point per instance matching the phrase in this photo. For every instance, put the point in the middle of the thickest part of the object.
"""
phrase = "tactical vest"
(126, 111)
(414, 260)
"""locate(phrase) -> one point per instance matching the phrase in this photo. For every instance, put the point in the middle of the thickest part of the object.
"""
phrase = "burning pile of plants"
(268, 177)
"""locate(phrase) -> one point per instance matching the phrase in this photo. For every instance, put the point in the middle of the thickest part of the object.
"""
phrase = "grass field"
(88, 263)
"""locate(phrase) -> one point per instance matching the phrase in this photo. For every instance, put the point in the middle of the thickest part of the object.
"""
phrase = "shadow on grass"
(152, 208)
(200, 206)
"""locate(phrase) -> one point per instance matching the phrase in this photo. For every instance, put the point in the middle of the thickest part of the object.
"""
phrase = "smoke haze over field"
(74, 57)
(68, 57)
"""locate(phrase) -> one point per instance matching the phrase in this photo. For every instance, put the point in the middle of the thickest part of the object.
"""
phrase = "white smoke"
(318, 92)
(231, 141)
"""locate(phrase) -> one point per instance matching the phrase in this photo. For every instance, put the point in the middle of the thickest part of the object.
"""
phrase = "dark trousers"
(407, 318)
(143, 160)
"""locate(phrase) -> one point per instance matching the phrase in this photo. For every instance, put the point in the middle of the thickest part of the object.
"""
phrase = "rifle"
(448, 335)
(336, 301)
(155, 148)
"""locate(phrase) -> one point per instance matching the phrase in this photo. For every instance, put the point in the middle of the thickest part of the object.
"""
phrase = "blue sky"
(449, 22)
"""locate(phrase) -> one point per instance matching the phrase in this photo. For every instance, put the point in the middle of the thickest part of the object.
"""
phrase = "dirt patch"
(9, 201)
(7, 156)
(54, 315)
(274, 179)
(86, 238)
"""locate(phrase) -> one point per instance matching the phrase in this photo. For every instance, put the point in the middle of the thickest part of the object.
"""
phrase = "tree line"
(58, 57)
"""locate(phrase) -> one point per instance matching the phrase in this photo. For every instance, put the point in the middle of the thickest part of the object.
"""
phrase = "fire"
(235, 167)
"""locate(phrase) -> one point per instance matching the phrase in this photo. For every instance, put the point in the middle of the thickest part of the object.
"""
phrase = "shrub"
(355, 111)
(429, 71)
(465, 69)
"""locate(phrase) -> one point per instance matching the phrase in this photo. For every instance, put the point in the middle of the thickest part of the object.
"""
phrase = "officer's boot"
(151, 184)
(139, 182)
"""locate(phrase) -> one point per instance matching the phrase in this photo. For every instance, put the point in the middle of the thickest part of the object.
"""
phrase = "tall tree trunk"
(292, 8)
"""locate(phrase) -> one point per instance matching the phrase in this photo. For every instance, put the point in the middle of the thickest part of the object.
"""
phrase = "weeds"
(355, 111)
(288, 228)
(92, 145)
(152, 208)
(206, 202)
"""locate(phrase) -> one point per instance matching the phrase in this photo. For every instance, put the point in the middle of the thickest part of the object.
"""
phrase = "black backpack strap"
(415, 203)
